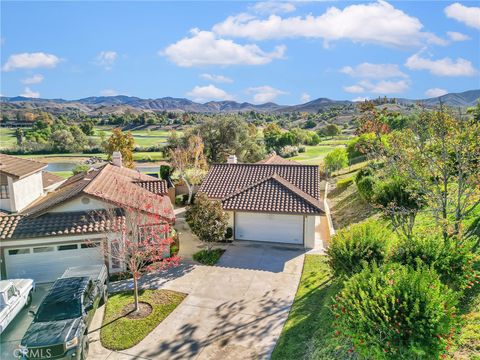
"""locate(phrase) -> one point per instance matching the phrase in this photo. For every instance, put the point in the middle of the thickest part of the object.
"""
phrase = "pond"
(68, 166)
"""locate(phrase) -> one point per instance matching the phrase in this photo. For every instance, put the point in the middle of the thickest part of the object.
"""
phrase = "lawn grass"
(64, 174)
(206, 257)
(313, 155)
(7, 138)
(119, 332)
(308, 331)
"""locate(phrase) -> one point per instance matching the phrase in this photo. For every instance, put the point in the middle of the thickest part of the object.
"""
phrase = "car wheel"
(29, 300)
(85, 346)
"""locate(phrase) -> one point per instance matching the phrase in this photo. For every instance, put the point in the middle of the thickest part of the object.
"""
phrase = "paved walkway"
(235, 310)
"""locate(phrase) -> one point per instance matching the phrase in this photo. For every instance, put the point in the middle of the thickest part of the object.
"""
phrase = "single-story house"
(67, 227)
(276, 200)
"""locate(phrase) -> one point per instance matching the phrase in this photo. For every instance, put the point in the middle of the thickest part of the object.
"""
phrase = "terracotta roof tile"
(277, 160)
(19, 167)
(159, 187)
(265, 187)
(49, 179)
(54, 224)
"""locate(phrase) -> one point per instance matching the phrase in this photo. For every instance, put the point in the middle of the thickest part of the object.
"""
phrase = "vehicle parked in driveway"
(60, 327)
(15, 294)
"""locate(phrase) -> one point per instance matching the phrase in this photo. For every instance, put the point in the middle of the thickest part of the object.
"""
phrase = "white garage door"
(269, 227)
(46, 263)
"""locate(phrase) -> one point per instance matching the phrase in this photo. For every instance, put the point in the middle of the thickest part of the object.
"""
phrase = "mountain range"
(122, 103)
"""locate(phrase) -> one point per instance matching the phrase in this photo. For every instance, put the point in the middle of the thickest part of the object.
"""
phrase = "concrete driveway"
(11, 337)
(235, 310)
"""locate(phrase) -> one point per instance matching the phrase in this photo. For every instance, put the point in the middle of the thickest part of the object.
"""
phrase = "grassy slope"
(313, 155)
(119, 332)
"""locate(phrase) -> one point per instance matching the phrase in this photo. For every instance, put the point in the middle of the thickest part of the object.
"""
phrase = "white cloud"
(27, 92)
(273, 7)
(304, 98)
(106, 59)
(207, 93)
(216, 78)
(383, 87)
(377, 22)
(360, 99)
(204, 48)
(374, 71)
(30, 61)
(354, 89)
(35, 79)
(441, 67)
(470, 16)
(435, 92)
(264, 94)
(456, 36)
(109, 92)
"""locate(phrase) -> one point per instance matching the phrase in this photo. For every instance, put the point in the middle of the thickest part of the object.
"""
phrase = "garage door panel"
(49, 265)
(269, 227)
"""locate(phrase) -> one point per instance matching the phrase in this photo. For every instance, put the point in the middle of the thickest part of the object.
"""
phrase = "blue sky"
(286, 52)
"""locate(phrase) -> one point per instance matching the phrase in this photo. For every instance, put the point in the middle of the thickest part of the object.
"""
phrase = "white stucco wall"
(25, 191)
(231, 216)
(82, 203)
(309, 230)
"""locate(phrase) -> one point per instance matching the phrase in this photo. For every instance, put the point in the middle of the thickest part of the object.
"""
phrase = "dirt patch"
(144, 309)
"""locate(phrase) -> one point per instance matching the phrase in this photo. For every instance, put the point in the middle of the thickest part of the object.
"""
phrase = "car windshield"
(59, 310)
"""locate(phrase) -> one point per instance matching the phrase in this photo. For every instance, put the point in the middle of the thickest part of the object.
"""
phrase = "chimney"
(232, 159)
(117, 158)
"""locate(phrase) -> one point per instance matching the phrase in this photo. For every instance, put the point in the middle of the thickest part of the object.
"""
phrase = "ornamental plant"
(396, 312)
(455, 262)
(357, 246)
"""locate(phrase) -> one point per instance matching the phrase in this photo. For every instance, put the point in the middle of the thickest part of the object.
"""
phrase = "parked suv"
(60, 327)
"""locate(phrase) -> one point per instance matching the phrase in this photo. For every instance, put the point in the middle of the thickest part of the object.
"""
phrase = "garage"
(269, 227)
(46, 263)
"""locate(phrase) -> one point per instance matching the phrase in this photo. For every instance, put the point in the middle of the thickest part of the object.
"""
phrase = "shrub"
(208, 257)
(336, 159)
(454, 262)
(229, 233)
(396, 312)
(353, 248)
(365, 187)
(363, 172)
(344, 183)
(302, 149)
(288, 151)
(80, 168)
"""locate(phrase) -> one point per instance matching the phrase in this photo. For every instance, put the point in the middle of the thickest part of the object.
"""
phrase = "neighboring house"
(276, 201)
(275, 159)
(23, 181)
(67, 227)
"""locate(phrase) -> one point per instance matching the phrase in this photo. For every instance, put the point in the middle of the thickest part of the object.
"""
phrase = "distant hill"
(121, 103)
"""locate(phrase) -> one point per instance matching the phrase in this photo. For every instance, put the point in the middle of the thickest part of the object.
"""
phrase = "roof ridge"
(310, 199)
(239, 191)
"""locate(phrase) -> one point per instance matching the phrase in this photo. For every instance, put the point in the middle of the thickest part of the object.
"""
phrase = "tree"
(139, 236)
(207, 220)
(336, 159)
(330, 130)
(439, 155)
(271, 134)
(87, 127)
(189, 163)
(20, 136)
(80, 138)
(123, 142)
(62, 141)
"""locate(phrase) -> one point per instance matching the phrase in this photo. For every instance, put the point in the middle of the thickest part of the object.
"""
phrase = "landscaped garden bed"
(123, 328)
(206, 257)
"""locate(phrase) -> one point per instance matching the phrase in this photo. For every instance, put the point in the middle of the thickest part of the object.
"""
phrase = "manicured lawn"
(119, 332)
(308, 330)
(64, 174)
(208, 257)
(313, 155)
(7, 138)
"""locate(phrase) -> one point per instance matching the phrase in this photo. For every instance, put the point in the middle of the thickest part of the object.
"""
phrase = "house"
(69, 227)
(276, 200)
(22, 181)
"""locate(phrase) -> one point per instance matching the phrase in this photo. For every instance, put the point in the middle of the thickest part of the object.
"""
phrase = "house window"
(4, 192)
(67, 247)
(19, 251)
(89, 245)
(43, 249)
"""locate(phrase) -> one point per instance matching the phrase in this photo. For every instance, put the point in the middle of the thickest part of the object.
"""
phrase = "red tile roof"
(265, 187)
(112, 184)
(19, 167)
(49, 179)
(277, 160)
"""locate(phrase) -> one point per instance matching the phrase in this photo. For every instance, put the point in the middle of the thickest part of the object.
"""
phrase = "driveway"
(11, 337)
(235, 310)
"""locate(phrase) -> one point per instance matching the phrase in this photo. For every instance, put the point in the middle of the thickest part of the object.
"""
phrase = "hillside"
(97, 105)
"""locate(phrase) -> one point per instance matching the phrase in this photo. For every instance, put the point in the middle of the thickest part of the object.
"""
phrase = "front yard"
(122, 331)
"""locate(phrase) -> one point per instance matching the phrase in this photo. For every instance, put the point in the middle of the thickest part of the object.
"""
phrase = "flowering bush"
(358, 245)
(288, 151)
(396, 312)
(454, 261)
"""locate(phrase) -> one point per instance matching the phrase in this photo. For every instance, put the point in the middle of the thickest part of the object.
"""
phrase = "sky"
(284, 52)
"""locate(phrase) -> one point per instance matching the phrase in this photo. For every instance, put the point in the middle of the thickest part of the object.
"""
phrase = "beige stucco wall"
(231, 216)
(77, 204)
(25, 191)
(309, 231)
